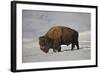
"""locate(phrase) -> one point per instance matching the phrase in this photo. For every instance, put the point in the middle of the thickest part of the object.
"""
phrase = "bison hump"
(55, 33)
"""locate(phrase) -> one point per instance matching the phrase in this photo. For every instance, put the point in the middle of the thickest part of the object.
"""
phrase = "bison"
(57, 36)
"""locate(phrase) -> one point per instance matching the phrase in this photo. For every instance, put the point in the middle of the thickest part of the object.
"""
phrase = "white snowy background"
(37, 23)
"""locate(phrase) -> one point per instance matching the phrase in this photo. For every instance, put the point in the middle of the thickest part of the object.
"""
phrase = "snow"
(32, 53)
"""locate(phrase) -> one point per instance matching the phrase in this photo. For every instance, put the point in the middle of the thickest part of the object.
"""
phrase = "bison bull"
(57, 36)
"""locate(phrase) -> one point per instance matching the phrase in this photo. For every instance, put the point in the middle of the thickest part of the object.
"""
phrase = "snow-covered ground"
(32, 53)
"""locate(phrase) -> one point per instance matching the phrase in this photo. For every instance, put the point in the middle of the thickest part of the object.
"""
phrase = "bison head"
(44, 43)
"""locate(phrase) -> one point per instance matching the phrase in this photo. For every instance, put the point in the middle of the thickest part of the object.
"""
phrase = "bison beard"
(57, 36)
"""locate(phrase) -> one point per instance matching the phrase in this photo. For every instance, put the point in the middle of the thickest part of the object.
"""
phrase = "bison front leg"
(56, 46)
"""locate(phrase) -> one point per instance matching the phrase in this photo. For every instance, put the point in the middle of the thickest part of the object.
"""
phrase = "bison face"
(44, 44)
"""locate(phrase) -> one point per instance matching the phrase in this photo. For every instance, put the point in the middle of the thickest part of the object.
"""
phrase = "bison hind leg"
(73, 45)
(77, 44)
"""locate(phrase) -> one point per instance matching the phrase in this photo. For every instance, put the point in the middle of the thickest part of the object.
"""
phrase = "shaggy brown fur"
(57, 36)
